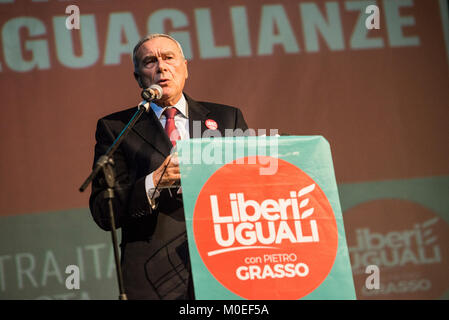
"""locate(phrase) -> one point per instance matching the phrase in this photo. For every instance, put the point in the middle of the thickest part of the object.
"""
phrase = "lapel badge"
(211, 124)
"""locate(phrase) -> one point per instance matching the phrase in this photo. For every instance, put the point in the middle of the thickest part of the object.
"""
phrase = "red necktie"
(170, 127)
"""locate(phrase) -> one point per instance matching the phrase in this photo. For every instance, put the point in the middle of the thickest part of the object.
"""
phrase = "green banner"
(264, 219)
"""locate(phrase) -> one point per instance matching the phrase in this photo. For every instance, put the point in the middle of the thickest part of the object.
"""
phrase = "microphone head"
(154, 92)
(158, 89)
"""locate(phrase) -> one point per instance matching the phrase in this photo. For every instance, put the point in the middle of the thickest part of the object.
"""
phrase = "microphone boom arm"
(106, 164)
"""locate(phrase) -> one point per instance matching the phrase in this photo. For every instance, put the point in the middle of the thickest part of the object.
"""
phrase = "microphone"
(154, 92)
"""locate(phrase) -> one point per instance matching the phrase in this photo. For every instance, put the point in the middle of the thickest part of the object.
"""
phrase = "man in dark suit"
(154, 251)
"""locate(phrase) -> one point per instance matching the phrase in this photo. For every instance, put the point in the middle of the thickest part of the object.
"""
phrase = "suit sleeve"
(129, 196)
(131, 205)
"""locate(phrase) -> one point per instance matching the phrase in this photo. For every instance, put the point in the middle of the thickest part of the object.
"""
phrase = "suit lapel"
(150, 129)
(197, 117)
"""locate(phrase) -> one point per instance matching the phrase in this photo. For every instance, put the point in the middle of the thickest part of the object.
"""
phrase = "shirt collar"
(181, 105)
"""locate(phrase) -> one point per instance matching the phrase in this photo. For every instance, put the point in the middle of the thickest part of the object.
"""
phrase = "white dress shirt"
(181, 124)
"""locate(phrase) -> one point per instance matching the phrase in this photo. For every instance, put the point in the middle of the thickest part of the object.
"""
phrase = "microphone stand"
(106, 164)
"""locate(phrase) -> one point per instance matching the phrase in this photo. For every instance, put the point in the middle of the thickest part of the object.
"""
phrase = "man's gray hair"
(149, 37)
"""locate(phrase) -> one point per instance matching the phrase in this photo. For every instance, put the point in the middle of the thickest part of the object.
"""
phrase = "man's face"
(160, 62)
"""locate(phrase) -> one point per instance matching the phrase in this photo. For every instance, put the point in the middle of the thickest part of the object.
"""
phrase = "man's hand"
(171, 175)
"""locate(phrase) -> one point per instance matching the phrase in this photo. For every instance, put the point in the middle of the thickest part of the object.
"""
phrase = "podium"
(263, 219)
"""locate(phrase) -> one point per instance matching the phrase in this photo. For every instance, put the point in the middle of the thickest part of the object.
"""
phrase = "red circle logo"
(211, 124)
(265, 236)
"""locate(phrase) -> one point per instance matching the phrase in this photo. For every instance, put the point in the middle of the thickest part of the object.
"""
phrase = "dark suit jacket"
(154, 251)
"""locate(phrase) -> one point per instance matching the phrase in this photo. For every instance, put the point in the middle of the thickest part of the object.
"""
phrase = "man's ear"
(137, 77)
(187, 69)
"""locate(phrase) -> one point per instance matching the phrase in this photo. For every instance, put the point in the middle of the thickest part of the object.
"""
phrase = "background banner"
(267, 225)
(303, 67)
